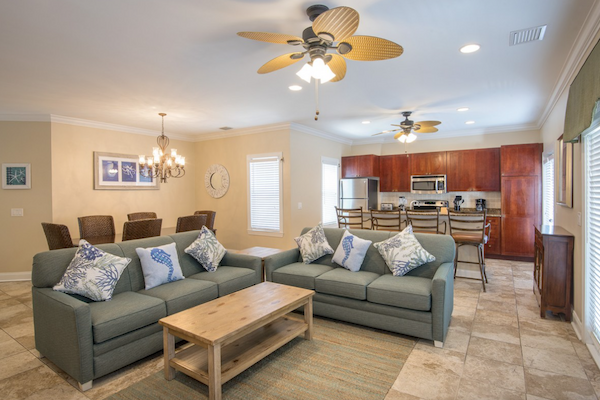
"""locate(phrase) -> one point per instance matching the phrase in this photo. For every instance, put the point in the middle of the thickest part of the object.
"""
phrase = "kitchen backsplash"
(493, 198)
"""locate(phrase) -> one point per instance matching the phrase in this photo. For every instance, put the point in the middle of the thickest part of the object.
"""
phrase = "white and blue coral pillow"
(93, 273)
(403, 252)
(351, 251)
(207, 250)
(313, 244)
(159, 265)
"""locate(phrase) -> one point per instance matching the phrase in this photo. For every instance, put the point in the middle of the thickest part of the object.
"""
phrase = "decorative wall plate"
(216, 180)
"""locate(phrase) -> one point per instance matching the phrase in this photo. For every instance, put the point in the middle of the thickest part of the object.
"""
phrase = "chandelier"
(162, 165)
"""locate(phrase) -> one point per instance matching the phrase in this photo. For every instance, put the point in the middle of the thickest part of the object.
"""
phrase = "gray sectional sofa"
(417, 304)
(88, 339)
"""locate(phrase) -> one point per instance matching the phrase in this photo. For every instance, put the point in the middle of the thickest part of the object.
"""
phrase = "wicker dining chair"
(426, 221)
(141, 228)
(386, 220)
(97, 229)
(57, 236)
(190, 223)
(210, 217)
(140, 215)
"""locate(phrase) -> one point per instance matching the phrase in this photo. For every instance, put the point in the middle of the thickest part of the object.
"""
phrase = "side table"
(257, 251)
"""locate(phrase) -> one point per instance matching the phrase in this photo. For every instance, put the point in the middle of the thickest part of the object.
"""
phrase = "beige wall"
(232, 209)
(73, 193)
(22, 237)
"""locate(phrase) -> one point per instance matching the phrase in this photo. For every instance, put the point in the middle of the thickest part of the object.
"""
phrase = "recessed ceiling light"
(366, 122)
(295, 88)
(470, 122)
(470, 48)
(462, 109)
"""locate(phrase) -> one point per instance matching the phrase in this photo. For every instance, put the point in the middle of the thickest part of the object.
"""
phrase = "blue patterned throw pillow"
(207, 250)
(313, 244)
(403, 252)
(351, 251)
(93, 273)
(160, 265)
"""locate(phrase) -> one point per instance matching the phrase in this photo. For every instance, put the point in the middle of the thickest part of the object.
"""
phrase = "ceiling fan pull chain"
(317, 99)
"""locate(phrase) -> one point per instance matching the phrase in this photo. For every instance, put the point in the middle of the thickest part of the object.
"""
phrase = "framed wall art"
(16, 176)
(120, 172)
(564, 187)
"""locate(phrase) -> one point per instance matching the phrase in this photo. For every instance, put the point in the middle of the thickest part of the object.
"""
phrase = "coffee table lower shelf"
(240, 354)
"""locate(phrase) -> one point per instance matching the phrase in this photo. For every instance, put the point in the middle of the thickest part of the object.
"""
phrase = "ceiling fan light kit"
(407, 127)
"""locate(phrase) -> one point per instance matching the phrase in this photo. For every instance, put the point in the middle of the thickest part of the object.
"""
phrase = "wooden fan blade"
(336, 24)
(278, 63)
(426, 129)
(338, 67)
(428, 123)
(371, 48)
(397, 135)
(270, 37)
(381, 133)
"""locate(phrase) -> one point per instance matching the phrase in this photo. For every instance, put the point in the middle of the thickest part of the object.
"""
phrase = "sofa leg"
(85, 386)
(436, 343)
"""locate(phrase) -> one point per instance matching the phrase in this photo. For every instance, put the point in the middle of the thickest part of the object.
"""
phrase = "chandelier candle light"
(162, 165)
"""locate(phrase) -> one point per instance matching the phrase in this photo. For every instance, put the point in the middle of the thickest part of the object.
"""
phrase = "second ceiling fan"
(407, 127)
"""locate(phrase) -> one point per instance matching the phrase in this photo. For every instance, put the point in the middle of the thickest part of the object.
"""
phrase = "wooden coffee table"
(233, 332)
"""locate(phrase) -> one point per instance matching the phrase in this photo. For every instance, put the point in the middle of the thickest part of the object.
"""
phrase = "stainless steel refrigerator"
(359, 192)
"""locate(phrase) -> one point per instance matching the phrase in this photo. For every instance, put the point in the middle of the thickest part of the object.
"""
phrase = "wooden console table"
(553, 270)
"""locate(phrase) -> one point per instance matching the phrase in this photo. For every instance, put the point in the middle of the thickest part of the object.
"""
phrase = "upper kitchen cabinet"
(473, 170)
(394, 173)
(522, 159)
(360, 166)
(428, 163)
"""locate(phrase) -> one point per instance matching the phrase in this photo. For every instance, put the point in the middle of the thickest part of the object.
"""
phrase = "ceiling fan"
(407, 127)
(331, 29)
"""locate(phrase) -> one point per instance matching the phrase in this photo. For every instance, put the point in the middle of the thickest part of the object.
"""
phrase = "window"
(329, 189)
(548, 190)
(265, 207)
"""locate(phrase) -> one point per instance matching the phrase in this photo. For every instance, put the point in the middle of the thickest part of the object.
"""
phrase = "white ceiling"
(122, 62)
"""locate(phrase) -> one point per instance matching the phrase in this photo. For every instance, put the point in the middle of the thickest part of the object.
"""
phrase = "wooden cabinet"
(360, 166)
(492, 247)
(553, 270)
(473, 170)
(428, 163)
(521, 198)
(394, 172)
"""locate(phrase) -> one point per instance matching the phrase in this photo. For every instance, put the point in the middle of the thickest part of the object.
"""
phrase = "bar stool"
(350, 218)
(469, 229)
(426, 221)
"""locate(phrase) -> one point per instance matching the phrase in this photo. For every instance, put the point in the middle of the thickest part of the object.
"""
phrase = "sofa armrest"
(442, 300)
(280, 260)
(244, 261)
(63, 332)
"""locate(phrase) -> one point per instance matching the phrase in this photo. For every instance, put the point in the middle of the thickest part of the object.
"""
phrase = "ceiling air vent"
(225, 128)
(527, 35)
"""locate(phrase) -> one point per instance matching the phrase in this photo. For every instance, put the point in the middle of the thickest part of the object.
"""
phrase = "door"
(520, 209)
(521, 159)
(353, 189)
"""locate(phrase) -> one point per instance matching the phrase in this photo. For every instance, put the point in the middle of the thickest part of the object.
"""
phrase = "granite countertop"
(491, 212)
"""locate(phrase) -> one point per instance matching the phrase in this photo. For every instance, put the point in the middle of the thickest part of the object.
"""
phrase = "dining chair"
(210, 217)
(140, 215)
(190, 223)
(386, 220)
(141, 228)
(470, 230)
(425, 221)
(57, 236)
(97, 229)
(350, 217)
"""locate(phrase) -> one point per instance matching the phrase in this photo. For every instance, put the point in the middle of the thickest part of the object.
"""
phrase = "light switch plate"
(16, 212)
(299, 206)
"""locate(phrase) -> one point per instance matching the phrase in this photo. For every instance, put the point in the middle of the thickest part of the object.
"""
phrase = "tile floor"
(497, 348)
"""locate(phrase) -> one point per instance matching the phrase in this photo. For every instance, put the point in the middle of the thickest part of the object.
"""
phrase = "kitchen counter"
(491, 212)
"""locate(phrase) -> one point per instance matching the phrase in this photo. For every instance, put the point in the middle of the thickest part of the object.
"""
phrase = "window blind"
(548, 189)
(329, 190)
(264, 177)
(592, 228)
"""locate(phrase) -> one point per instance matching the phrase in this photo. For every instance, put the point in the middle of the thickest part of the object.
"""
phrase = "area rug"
(343, 361)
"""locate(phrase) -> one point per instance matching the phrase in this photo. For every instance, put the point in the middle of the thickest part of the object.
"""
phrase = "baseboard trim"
(577, 325)
(15, 276)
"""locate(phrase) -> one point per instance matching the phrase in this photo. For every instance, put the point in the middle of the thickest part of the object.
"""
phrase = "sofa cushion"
(207, 250)
(313, 244)
(410, 292)
(159, 264)
(228, 279)
(341, 282)
(351, 252)
(124, 313)
(183, 294)
(299, 274)
(403, 252)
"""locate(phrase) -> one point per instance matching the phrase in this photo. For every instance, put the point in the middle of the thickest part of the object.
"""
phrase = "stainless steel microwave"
(428, 184)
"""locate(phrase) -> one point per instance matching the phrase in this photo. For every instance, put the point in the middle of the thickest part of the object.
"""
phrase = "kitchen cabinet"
(428, 163)
(360, 166)
(473, 170)
(394, 173)
(521, 198)
(553, 270)
(492, 247)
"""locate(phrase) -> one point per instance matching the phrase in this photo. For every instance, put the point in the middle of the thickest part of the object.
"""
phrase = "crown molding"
(315, 132)
(577, 55)
(240, 132)
(25, 117)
